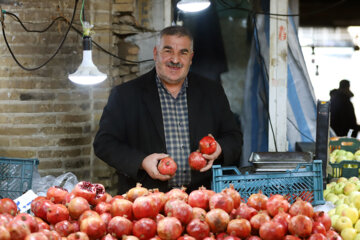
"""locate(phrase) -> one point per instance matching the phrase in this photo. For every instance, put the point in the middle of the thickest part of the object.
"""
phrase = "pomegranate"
(317, 236)
(57, 213)
(129, 237)
(35, 203)
(283, 218)
(244, 211)
(332, 235)
(235, 195)
(100, 195)
(257, 201)
(56, 194)
(135, 192)
(85, 189)
(36, 236)
(102, 207)
(324, 218)
(169, 228)
(109, 237)
(231, 238)
(122, 207)
(207, 145)
(41, 209)
(106, 217)
(198, 213)
(179, 209)
(300, 225)
(77, 236)
(93, 226)
(198, 229)
(301, 207)
(159, 198)
(291, 237)
(51, 234)
(199, 198)
(119, 226)
(240, 228)
(167, 166)
(29, 220)
(144, 228)
(217, 219)
(318, 227)
(275, 203)
(144, 207)
(7, 205)
(18, 229)
(77, 206)
(159, 217)
(41, 223)
(68, 198)
(64, 228)
(4, 233)
(197, 161)
(253, 238)
(177, 193)
(186, 237)
(221, 236)
(272, 231)
(86, 214)
(222, 201)
(257, 220)
(108, 197)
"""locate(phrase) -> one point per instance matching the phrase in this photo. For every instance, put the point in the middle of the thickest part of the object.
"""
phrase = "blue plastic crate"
(16, 176)
(304, 181)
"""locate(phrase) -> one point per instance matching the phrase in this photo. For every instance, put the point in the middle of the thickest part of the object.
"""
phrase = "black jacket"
(131, 128)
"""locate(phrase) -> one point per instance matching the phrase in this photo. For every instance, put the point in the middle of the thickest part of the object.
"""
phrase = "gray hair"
(178, 31)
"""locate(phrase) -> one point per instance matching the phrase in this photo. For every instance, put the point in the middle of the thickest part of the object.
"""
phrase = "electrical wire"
(54, 54)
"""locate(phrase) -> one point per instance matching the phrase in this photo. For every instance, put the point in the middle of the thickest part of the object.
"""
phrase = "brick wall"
(42, 114)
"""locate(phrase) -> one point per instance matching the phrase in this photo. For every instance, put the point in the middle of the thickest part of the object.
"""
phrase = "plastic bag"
(325, 207)
(40, 185)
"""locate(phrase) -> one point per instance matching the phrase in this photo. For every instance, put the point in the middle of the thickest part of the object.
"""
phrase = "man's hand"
(149, 164)
(211, 158)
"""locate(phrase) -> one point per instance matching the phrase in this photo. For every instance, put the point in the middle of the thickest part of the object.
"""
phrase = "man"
(342, 117)
(165, 113)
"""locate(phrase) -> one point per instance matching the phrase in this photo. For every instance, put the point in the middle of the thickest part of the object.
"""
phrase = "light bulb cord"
(54, 54)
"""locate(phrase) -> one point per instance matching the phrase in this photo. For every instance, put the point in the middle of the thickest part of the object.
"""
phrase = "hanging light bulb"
(193, 5)
(87, 73)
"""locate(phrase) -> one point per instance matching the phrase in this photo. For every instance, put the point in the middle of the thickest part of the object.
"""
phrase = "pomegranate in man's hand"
(207, 145)
(197, 161)
(167, 166)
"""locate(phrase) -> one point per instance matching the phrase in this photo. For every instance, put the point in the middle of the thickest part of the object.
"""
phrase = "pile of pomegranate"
(89, 212)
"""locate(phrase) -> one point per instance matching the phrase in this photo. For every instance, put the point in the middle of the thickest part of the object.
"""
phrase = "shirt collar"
(161, 85)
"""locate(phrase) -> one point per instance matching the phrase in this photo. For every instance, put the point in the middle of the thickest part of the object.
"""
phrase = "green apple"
(334, 218)
(349, 188)
(341, 179)
(349, 155)
(342, 222)
(348, 233)
(357, 153)
(326, 192)
(357, 226)
(355, 199)
(339, 208)
(340, 202)
(353, 179)
(339, 188)
(330, 185)
(357, 237)
(351, 213)
(332, 197)
(357, 157)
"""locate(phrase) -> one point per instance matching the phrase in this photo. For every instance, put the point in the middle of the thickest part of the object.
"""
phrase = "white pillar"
(278, 76)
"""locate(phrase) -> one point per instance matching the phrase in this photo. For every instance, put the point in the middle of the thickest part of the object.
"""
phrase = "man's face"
(173, 59)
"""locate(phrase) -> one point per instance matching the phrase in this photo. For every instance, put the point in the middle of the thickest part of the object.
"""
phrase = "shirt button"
(182, 146)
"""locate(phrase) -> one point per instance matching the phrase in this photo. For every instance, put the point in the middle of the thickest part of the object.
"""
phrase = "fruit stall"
(276, 200)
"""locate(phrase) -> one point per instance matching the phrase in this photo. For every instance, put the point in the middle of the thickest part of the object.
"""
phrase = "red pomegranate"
(100, 195)
(186, 237)
(198, 213)
(235, 195)
(119, 226)
(301, 207)
(331, 234)
(199, 198)
(94, 227)
(56, 194)
(167, 166)
(85, 189)
(106, 217)
(317, 236)
(122, 207)
(240, 228)
(145, 207)
(18, 229)
(29, 220)
(291, 237)
(36, 236)
(244, 211)
(324, 218)
(102, 207)
(57, 213)
(207, 145)
(135, 192)
(318, 227)
(257, 201)
(169, 228)
(51, 234)
(78, 236)
(144, 228)
(7, 205)
(196, 161)
(86, 214)
(64, 228)
(300, 225)
(222, 201)
(109, 237)
(283, 218)
(257, 220)
(35, 203)
(177, 193)
(179, 209)
(275, 203)
(77, 206)
(198, 229)
(272, 231)
(41, 208)
(217, 219)
(159, 198)
(42, 224)
(68, 198)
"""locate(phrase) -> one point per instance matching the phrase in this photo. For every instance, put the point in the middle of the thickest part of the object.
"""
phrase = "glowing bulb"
(193, 5)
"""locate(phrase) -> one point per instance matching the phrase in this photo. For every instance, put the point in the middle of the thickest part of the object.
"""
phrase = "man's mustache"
(171, 64)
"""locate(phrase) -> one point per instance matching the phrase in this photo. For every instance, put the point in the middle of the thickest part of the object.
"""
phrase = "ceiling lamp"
(87, 73)
(193, 5)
